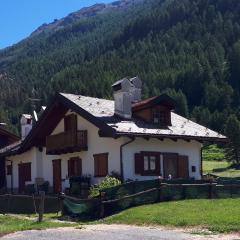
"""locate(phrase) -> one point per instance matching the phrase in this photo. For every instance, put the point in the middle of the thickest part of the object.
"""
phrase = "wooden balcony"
(67, 142)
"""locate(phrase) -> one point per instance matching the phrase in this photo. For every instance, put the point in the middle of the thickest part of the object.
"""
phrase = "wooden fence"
(164, 192)
(26, 204)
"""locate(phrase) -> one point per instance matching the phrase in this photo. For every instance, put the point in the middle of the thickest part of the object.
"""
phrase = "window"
(149, 162)
(159, 117)
(100, 164)
(74, 167)
(70, 123)
(9, 169)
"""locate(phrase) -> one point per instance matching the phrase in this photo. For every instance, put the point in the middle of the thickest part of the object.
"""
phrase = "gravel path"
(113, 232)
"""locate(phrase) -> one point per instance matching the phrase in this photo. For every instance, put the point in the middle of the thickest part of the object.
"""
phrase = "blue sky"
(19, 18)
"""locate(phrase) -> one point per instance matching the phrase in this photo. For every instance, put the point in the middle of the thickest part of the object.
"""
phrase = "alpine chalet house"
(6, 138)
(79, 136)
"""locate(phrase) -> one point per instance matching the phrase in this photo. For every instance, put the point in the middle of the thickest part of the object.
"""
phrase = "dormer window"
(160, 117)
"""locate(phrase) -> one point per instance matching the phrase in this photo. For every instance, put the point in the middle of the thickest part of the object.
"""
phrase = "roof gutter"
(175, 137)
(121, 157)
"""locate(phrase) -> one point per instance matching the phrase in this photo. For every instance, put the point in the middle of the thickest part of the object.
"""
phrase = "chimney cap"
(27, 116)
(136, 81)
(122, 84)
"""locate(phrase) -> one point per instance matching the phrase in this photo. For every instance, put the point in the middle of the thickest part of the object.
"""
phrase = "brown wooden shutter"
(101, 165)
(183, 167)
(74, 167)
(158, 166)
(138, 163)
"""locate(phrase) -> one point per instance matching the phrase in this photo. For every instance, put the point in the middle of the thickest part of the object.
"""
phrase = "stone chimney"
(136, 89)
(126, 91)
(26, 125)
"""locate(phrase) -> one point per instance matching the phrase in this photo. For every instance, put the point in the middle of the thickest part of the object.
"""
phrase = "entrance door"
(24, 175)
(170, 165)
(183, 167)
(57, 176)
(2, 172)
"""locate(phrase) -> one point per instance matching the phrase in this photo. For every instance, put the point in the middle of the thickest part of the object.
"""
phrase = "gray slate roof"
(104, 110)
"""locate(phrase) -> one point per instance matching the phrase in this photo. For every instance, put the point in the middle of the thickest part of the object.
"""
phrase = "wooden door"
(24, 175)
(183, 167)
(57, 176)
(170, 165)
(2, 172)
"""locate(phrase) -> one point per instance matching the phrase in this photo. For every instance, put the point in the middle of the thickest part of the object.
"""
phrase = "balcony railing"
(67, 142)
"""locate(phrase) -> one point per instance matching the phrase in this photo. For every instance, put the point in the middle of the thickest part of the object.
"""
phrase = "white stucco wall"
(42, 164)
(191, 149)
(95, 145)
(29, 156)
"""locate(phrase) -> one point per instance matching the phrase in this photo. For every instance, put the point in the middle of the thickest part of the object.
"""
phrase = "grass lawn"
(10, 224)
(216, 215)
(221, 169)
(214, 162)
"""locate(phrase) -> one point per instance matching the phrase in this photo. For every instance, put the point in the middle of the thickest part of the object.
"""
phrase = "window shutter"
(158, 166)
(183, 166)
(138, 163)
(74, 167)
(100, 165)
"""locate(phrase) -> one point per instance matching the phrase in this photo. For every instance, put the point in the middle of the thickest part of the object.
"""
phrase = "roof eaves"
(171, 136)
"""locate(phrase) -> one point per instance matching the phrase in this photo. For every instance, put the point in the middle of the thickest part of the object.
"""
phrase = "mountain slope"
(188, 48)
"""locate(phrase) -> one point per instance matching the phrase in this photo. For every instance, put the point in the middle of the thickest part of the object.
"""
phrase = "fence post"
(102, 210)
(60, 199)
(34, 204)
(41, 206)
(184, 191)
(159, 190)
(210, 190)
(8, 203)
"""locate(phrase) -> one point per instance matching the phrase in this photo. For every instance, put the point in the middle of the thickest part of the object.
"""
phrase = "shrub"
(108, 182)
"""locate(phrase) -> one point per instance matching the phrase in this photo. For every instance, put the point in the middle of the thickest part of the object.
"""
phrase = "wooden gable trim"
(62, 105)
(163, 99)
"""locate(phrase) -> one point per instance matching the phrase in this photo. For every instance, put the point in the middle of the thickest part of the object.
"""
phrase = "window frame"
(161, 116)
(149, 171)
(97, 159)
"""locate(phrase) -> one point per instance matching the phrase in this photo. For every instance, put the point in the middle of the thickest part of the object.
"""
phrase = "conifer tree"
(232, 130)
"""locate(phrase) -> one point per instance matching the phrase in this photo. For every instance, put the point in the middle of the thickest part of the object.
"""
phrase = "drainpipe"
(121, 157)
(201, 156)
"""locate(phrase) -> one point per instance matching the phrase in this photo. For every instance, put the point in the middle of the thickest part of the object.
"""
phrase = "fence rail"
(110, 203)
(26, 204)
